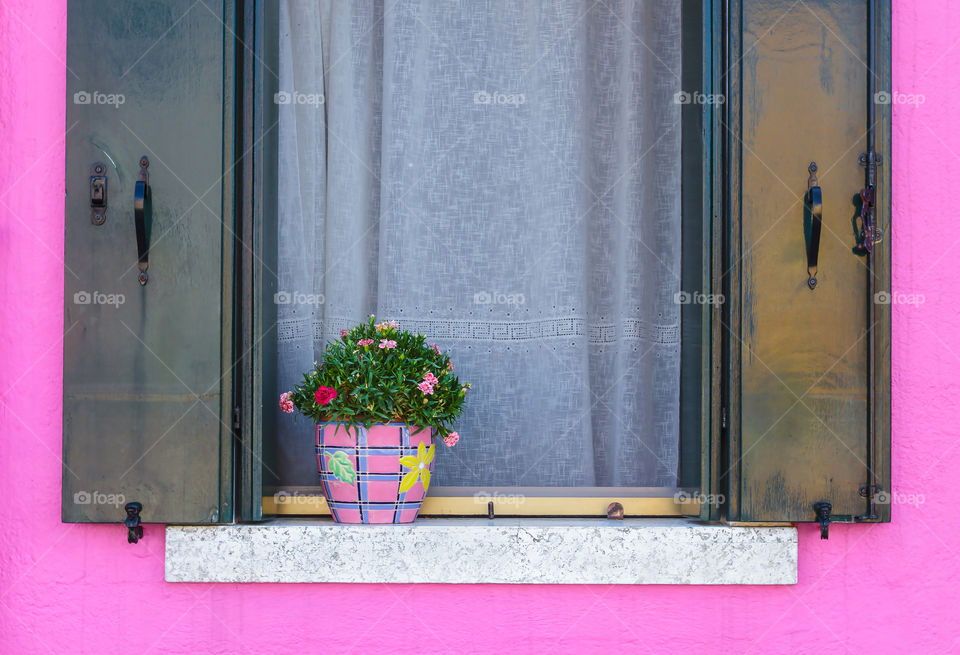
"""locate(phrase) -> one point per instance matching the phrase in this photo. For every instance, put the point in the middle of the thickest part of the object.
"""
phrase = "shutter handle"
(812, 220)
(141, 218)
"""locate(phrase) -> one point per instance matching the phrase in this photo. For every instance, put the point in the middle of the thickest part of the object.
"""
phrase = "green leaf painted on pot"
(341, 466)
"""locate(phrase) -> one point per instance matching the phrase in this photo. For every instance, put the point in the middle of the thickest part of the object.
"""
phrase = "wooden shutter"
(809, 385)
(147, 386)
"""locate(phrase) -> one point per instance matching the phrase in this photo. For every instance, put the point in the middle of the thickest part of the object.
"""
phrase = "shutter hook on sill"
(823, 509)
(134, 529)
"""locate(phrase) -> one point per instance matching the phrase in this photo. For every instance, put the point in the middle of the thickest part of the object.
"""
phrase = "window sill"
(472, 550)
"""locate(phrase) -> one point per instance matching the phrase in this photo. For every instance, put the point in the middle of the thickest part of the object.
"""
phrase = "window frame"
(716, 203)
(256, 179)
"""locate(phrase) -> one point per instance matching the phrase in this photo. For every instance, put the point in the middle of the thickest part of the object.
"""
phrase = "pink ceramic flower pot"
(379, 474)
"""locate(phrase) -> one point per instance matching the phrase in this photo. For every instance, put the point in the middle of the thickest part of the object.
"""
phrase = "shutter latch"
(134, 529)
(98, 193)
(823, 517)
(868, 233)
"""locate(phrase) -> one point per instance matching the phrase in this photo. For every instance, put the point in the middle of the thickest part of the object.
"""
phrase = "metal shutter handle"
(812, 220)
(141, 218)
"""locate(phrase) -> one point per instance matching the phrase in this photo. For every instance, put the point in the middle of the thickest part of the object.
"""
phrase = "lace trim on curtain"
(298, 329)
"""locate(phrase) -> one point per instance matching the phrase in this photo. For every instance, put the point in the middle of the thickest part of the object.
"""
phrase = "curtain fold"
(503, 177)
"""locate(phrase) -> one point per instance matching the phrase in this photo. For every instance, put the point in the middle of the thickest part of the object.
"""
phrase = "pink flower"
(388, 343)
(325, 394)
(451, 439)
(343, 333)
(426, 388)
(365, 342)
(286, 404)
(386, 325)
(449, 366)
(436, 348)
(430, 378)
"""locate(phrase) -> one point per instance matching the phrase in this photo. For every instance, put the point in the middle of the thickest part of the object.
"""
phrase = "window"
(642, 166)
(409, 136)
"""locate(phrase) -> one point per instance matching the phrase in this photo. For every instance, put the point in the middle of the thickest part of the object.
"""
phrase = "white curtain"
(504, 177)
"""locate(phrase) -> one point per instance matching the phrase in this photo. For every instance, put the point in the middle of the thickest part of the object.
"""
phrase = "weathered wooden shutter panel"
(809, 367)
(147, 385)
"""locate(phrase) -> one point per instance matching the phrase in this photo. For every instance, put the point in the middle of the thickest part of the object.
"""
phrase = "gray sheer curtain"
(503, 177)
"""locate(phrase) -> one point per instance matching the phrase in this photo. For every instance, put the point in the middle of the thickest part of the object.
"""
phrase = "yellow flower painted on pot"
(419, 467)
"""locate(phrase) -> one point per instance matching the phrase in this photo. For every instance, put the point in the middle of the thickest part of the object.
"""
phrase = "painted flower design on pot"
(419, 466)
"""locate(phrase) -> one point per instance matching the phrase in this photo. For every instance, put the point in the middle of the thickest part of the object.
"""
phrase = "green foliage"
(379, 385)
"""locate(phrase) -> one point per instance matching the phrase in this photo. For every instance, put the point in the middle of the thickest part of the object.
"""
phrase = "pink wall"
(883, 588)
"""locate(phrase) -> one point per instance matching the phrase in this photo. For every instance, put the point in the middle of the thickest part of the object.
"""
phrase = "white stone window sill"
(478, 550)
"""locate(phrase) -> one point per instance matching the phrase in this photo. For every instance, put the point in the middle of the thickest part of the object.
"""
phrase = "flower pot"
(379, 474)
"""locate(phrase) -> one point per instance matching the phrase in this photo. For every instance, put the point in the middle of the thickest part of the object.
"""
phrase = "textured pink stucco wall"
(82, 589)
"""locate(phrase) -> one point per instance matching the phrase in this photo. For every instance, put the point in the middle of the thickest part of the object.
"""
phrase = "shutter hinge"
(723, 418)
(236, 418)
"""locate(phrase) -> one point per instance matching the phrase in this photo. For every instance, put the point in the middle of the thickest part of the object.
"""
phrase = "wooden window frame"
(716, 204)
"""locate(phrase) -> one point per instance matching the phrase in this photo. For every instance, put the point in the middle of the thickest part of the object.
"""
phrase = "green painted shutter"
(147, 387)
(809, 401)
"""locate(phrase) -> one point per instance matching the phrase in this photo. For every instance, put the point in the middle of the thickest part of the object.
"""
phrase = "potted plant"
(378, 398)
